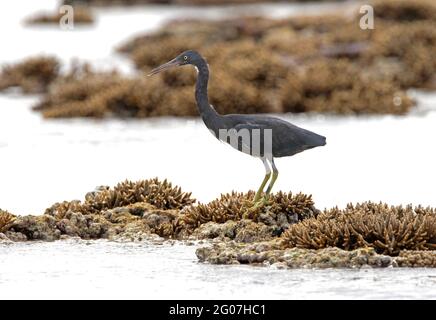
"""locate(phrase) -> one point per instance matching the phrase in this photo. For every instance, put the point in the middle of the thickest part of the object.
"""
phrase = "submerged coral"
(387, 229)
(32, 75)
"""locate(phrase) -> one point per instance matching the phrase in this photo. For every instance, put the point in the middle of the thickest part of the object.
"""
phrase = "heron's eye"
(185, 57)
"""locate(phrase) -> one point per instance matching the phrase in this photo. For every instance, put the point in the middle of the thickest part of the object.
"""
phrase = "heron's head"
(187, 57)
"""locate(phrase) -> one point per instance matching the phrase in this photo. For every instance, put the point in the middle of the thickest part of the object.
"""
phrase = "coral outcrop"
(286, 231)
(387, 229)
(90, 94)
(415, 259)
(81, 15)
(6, 220)
(278, 212)
(301, 64)
(159, 194)
(324, 63)
(403, 10)
(172, 2)
(129, 210)
(273, 253)
(32, 75)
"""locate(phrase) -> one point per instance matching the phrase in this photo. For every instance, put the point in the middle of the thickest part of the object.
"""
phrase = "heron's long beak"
(170, 64)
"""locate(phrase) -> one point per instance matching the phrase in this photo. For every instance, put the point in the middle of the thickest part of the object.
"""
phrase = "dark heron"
(260, 136)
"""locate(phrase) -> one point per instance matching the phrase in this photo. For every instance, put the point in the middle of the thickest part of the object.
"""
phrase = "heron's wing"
(287, 139)
(281, 132)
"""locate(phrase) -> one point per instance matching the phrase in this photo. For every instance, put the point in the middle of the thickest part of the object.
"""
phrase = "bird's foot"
(253, 207)
(259, 203)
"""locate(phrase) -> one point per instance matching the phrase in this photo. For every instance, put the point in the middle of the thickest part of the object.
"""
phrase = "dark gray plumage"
(275, 137)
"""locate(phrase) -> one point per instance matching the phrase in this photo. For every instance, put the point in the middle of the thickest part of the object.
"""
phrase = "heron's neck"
(205, 109)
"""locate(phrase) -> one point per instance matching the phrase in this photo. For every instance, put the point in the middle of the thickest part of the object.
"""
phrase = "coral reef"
(32, 75)
(320, 63)
(328, 62)
(286, 231)
(387, 229)
(82, 15)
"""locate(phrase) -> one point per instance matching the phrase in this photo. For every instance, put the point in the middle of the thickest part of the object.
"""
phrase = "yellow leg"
(273, 180)
(260, 190)
(265, 180)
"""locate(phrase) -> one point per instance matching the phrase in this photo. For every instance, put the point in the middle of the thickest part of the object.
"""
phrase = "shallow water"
(383, 158)
(101, 269)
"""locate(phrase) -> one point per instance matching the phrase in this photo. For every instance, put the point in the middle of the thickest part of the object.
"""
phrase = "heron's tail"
(313, 139)
(321, 140)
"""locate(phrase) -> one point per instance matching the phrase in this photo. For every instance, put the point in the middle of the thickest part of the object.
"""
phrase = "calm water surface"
(101, 269)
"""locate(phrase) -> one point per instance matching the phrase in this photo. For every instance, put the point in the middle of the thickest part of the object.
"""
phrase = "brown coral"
(324, 85)
(322, 63)
(32, 75)
(6, 220)
(416, 259)
(404, 10)
(279, 211)
(81, 14)
(83, 93)
(144, 207)
(415, 65)
(332, 64)
(60, 209)
(160, 194)
(90, 94)
(273, 253)
(388, 229)
(175, 2)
